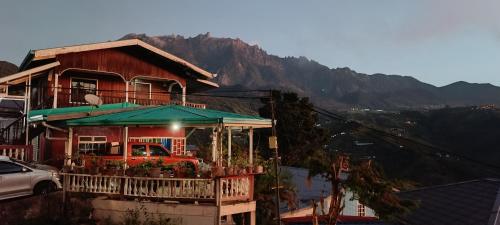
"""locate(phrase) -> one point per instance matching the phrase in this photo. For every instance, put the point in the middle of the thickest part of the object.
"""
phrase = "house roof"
(344, 220)
(308, 189)
(470, 202)
(76, 112)
(49, 53)
(169, 114)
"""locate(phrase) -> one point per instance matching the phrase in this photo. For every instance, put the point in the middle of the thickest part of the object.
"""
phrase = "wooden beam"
(28, 72)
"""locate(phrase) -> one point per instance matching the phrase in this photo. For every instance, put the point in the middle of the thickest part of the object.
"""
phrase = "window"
(361, 209)
(8, 167)
(92, 144)
(139, 150)
(155, 150)
(81, 87)
(142, 92)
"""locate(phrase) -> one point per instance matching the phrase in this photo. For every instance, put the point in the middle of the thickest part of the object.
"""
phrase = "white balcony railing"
(234, 188)
(92, 184)
(19, 152)
(170, 188)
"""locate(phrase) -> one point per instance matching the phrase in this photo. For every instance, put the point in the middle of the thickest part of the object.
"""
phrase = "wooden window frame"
(92, 141)
(81, 78)
(141, 82)
(360, 209)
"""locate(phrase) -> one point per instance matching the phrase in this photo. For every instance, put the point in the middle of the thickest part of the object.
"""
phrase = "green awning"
(169, 114)
(42, 114)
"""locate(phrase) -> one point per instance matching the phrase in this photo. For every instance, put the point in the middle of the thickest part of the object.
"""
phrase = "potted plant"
(258, 169)
(94, 164)
(249, 169)
(217, 171)
(155, 170)
(145, 168)
(168, 170)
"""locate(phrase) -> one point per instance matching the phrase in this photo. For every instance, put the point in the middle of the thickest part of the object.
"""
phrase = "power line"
(387, 134)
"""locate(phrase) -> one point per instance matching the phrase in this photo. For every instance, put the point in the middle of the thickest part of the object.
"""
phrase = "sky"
(436, 41)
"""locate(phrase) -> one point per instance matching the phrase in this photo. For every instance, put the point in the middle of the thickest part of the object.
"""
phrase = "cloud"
(437, 18)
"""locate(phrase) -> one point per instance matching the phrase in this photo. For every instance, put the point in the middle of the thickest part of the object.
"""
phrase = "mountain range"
(239, 65)
(248, 66)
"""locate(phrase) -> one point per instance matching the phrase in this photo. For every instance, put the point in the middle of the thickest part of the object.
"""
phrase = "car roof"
(4, 158)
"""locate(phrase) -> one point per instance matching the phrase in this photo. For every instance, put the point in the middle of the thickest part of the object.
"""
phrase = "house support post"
(27, 107)
(56, 90)
(252, 217)
(214, 144)
(250, 146)
(125, 145)
(220, 147)
(126, 91)
(69, 147)
(229, 146)
(183, 96)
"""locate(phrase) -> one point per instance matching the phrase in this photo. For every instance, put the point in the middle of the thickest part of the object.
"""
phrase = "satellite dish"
(93, 99)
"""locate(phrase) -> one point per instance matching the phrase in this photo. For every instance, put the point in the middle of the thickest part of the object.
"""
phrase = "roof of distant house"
(464, 203)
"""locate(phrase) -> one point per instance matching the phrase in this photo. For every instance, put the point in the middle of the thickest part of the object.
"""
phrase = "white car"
(20, 179)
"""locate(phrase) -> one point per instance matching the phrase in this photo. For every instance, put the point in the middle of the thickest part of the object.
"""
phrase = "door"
(15, 180)
(138, 154)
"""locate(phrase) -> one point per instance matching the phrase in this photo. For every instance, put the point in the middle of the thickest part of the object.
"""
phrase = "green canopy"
(169, 114)
(42, 114)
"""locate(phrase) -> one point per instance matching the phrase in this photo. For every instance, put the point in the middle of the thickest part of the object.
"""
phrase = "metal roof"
(169, 114)
(470, 202)
(43, 114)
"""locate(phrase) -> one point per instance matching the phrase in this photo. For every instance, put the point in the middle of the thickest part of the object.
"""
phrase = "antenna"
(93, 100)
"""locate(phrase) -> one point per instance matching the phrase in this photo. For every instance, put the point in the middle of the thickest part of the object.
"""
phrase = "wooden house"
(132, 79)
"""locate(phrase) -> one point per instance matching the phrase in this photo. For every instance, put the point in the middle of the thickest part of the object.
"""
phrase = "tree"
(297, 128)
(365, 179)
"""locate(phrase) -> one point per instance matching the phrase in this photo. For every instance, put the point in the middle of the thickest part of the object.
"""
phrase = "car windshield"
(32, 165)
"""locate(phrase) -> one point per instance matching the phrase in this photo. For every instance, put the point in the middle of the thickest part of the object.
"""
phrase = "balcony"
(67, 97)
(218, 191)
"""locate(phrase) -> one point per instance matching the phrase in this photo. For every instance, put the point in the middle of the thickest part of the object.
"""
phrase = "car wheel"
(44, 188)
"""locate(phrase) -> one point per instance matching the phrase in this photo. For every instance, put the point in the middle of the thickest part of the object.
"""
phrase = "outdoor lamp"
(175, 126)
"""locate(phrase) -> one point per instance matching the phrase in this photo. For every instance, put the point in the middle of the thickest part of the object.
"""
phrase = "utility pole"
(273, 144)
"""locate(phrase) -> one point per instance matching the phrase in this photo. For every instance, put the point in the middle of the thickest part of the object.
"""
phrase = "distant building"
(317, 189)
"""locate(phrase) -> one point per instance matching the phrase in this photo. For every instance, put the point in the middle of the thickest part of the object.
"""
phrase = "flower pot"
(155, 172)
(130, 172)
(249, 169)
(229, 171)
(94, 170)
(259, 169)
(218, 171)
